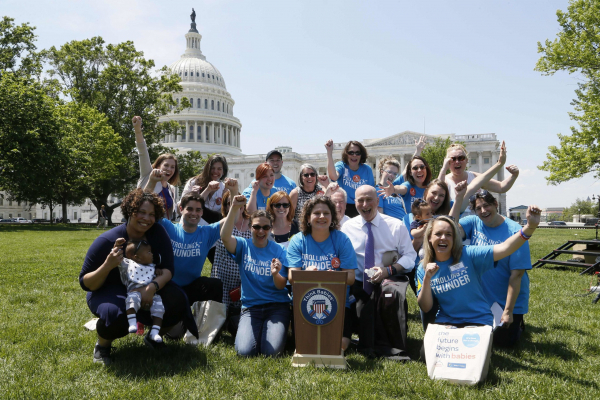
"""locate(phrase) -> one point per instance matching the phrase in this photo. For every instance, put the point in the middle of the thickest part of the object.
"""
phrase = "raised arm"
(253, 197)
(144, 157)
(419, 146)
(333, 175)
(461, 189)
(513, 243)
(425, 298)
(445, 167)
(504, 186)
(227, 228)
(95, 279)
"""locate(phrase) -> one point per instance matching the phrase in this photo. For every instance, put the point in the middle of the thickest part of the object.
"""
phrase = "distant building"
(551, 214)
(518, 213)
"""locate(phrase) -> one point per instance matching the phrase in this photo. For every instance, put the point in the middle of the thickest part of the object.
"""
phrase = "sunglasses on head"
(354, 153)
(259, 227)
(279, 205)
(418, 202)
(418, 167)
(309, 174)
(459, 158)
(481, 194)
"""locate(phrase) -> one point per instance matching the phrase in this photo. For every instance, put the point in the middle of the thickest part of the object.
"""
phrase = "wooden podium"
(319, 303)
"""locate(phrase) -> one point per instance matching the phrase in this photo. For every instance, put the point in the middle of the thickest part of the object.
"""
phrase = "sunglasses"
(418, 202)
(354, 153)
(390, 172)
(481, 194)
(418, 167)
(263, 227)
(279, 205)
(140, 244)
(310, 174)
(459, 158)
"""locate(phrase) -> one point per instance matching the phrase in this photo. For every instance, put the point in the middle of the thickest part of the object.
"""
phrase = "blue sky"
(302, 72)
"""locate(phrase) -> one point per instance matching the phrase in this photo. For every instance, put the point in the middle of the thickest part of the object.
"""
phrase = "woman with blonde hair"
(164, 168)
(284, 226)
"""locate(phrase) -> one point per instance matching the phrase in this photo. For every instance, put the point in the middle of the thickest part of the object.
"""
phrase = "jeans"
(263, 329)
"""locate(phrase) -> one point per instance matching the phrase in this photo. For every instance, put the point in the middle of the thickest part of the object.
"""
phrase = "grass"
(46, 353)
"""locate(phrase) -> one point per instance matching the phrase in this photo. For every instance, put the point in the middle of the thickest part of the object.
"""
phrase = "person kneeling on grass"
(263, 266)
(452, 274)
(137, 270)
(100, 277)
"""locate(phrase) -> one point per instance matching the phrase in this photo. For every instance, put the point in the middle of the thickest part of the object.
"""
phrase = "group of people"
(405, 230)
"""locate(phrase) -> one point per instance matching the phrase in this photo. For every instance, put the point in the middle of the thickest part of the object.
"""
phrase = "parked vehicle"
(22, 220)
(7, 220)
(591, 222)
(39, 220)
(561, 223)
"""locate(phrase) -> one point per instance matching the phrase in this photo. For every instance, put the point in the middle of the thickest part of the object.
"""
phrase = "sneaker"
(152, 344)
(102, 354)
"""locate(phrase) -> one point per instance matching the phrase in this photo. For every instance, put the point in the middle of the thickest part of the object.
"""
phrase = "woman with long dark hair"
(209, 184)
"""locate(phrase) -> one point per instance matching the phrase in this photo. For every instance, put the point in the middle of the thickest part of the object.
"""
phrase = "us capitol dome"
(209, 124)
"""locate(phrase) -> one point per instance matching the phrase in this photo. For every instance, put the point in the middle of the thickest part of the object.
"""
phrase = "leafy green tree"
(435, 153)
(576, 50)
(118, 82)
(17, 49)
(579, 207)
(190, 164)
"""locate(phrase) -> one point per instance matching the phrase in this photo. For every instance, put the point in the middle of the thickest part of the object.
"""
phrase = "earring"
(308, 223)
(332, 224)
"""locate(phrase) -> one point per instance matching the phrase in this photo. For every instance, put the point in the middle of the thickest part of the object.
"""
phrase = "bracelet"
(394, 270)
(390, 269)
(523, 235)
(156, 285)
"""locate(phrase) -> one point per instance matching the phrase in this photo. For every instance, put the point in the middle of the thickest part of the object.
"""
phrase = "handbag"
(209, 316)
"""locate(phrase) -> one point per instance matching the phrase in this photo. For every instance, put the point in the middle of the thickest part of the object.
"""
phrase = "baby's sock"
(154, 334)
(132, 323)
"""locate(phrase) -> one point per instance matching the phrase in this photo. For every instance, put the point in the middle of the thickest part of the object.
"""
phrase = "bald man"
(380, 290)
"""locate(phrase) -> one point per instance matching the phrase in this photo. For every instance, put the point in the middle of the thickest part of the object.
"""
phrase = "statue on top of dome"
(193, 16)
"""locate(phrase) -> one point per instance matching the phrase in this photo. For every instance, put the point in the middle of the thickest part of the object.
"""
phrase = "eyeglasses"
(459, 158)
(140, 244)
(259, 227)
(354, 153)
(481, 194)
(387, 171)
(418, 167)
(279, 205)
(310, 174)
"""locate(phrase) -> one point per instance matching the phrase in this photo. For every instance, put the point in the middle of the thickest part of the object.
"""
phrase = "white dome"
(209, 125)
(192, 69)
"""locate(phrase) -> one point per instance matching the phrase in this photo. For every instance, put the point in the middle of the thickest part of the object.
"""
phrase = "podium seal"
(319, 306)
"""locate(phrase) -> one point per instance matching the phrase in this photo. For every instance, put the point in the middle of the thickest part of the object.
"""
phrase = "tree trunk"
(110, 210)
(64, 211)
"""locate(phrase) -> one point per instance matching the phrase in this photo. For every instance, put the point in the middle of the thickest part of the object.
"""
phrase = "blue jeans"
(263, 329)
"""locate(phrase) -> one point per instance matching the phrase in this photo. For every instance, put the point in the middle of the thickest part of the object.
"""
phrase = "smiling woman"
(160, 177)
(100, 276)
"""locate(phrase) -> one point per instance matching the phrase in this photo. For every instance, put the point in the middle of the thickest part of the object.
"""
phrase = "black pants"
(382, 318)
(108, 304)
(506, 337)
(203, 289)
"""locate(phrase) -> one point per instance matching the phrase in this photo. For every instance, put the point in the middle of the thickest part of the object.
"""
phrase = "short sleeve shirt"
(351, 180)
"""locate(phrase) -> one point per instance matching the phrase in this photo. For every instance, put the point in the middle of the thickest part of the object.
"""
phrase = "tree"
(576, 50)
(190, 164)
(17, 49)
(435, 153)
(579, 207)
(117, 81)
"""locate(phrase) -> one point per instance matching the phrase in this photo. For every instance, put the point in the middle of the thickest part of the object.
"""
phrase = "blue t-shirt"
(392, 205)
(255, 272)
(261, 200)
(413, 192)
(400, 179)
(351, 180)
(284, 184)
(495, 281)
(190, 249)
(303, 251)
(458, 288)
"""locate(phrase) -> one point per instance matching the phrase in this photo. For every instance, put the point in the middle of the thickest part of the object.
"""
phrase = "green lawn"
(46, 353)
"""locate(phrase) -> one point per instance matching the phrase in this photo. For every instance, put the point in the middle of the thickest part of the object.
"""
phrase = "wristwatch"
(156, 285)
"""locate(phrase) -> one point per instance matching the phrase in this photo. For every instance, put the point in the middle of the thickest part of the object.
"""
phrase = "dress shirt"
(389, 234)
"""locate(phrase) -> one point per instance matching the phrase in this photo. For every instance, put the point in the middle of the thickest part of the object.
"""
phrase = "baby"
(421, 213)
(137, 271)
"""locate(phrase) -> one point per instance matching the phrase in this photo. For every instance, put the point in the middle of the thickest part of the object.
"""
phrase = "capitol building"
(209, 126)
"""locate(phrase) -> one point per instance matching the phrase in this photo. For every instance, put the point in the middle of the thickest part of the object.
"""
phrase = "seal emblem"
(413, 191)
(320, 193)
(218, 201)
(319, 306)
(356, 178)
